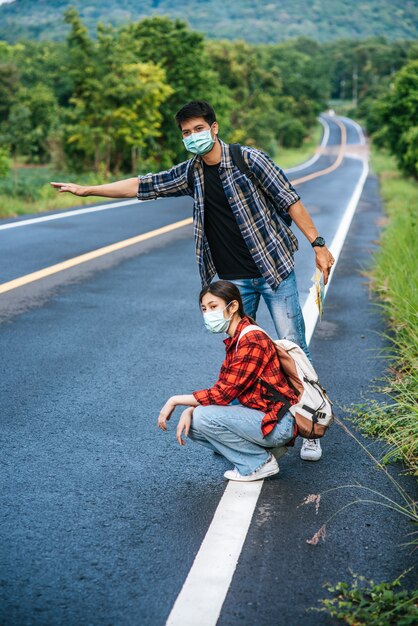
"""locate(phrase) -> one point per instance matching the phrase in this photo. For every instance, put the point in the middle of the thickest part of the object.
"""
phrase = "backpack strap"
(248, 329)
(242, 165)
(190, 174)
(276, 396)
(240, 162)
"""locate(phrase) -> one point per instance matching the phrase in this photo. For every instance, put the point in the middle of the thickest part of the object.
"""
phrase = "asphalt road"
(103, 514)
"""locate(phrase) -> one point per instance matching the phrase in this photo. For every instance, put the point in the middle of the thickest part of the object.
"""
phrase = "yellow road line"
(336, 163)
(94, 254)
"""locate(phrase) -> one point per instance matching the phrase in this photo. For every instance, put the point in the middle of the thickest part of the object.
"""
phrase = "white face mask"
(215, 321)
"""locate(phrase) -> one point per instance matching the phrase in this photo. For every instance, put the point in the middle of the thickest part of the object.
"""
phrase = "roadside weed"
(394, 278)
(406, 505)
(371, 604)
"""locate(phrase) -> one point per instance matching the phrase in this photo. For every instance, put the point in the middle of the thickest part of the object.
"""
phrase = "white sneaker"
(270, 468)
(311, 450)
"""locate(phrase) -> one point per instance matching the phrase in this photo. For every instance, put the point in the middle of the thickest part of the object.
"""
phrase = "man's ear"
(215, 127)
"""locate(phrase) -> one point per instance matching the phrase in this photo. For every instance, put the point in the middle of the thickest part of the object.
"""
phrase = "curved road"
(103, 514)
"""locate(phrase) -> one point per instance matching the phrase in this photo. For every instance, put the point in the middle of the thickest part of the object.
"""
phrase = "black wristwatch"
(319, 241)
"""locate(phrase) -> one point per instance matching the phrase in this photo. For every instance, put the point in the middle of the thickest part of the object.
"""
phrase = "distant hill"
(256, 21)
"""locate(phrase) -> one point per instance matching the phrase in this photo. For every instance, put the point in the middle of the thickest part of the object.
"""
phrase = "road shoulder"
(364, 538)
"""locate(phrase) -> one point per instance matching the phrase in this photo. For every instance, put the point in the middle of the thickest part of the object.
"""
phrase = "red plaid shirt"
(255, 358)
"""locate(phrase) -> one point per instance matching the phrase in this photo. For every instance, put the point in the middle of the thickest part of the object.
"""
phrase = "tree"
(280, 90)
(5, 162)
(358, 68)
(116, 101)
(181, 53)
(32, 117)
(395, 118)
(254, 89)
(9, 85)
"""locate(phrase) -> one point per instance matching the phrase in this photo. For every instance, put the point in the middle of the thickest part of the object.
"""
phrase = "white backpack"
(313, 412)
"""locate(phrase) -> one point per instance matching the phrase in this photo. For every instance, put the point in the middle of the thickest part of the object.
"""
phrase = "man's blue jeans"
(282, 303)
(235, 432)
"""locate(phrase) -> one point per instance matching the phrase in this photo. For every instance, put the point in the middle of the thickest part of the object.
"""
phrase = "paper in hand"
(317, 290)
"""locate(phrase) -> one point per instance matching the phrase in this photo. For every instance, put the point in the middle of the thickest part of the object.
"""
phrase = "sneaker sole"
(310, 458)
(247, 479)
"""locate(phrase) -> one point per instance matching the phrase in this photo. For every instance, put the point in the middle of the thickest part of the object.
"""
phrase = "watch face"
(319, 241)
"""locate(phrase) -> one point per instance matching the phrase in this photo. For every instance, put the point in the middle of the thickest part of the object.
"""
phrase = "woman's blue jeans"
(282, 303)
(235, 432)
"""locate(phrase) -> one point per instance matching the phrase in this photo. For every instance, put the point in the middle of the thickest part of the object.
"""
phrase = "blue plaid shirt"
(269, 240)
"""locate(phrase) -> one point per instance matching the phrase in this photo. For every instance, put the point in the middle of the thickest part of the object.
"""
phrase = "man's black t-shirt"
(230, 253)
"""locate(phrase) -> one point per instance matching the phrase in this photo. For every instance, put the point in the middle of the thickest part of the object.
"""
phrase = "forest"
(254, 21)
(106, 104)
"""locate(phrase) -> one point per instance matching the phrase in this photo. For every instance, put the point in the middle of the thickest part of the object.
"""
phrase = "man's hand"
(324, 261)
(302, 219)
(76, 190)
(166, 413)
(126, 188)
(184, 425)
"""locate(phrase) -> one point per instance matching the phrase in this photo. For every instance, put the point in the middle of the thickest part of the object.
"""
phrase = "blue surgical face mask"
(199, 143)
(215, 321)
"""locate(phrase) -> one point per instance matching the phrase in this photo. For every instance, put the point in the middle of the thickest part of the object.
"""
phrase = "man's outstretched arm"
(127, 188)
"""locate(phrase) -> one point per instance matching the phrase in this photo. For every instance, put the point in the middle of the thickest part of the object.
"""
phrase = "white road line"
(316, 156)
(204, 591)
(310, 311)
(60, 216)
(362, 139)
(200, 601)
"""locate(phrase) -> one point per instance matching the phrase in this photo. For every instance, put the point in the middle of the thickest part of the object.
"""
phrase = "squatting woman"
(239, 416)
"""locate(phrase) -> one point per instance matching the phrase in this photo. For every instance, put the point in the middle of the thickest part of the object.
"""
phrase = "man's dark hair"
(196, 108)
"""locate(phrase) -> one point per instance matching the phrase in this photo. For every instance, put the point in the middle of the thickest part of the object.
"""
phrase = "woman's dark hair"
(196, 108)
(228, 292)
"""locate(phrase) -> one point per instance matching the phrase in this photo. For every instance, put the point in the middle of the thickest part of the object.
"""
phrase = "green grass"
(27, 190)
(394, 279)
(288, 157)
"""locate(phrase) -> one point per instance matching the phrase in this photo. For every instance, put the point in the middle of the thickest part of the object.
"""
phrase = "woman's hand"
(165, 413)
(170, 405)
(184, 425)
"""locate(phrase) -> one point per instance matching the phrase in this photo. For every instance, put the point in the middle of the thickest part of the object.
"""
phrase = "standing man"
(239, 233)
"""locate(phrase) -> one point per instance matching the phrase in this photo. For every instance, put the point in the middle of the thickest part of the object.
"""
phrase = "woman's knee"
(202, 417)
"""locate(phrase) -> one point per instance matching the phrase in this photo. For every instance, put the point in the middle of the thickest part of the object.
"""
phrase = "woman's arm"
(168, 408)
(184, 424)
